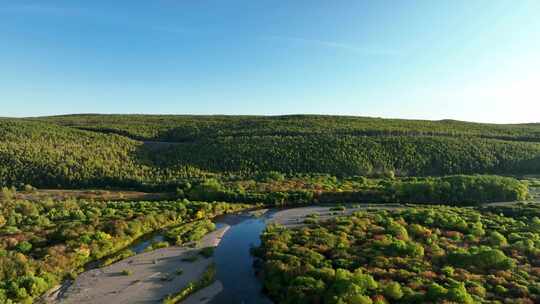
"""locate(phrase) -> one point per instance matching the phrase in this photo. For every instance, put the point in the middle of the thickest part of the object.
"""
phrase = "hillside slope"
(180, 128)
(134, 150)
(47, 155)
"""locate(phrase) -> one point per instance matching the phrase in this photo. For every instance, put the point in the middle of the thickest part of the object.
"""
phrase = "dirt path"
(152, 276)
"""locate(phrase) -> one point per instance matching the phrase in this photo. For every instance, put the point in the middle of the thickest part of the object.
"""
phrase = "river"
(234, 262)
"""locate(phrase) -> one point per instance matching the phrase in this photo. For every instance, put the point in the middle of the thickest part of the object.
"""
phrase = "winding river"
(235, 273)
(233, 259)
(234, 262)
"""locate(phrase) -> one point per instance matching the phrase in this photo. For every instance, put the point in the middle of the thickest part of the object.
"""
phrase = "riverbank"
(150, 279)
(296, 216)
(236, 279)
(145, 278)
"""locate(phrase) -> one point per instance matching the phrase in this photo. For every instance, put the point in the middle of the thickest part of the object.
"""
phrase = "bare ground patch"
(145, 278)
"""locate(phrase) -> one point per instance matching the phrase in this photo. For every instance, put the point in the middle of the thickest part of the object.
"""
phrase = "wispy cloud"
(363, 50)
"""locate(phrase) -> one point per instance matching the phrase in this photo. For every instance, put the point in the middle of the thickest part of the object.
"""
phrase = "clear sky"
(470, 60)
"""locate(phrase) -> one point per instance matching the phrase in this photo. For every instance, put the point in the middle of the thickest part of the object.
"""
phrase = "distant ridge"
(448, 120)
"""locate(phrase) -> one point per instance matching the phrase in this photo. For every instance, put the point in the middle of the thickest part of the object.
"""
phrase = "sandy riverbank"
(152, 276)
(146, 282)
(296, 216)
(205, 295)
(289, 217)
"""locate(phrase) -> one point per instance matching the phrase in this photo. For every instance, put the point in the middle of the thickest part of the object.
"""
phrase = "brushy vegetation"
(454, 190)
(61, 151)
(189, 232)
(156, 245)
(276, 189)
(413, 255)
(41, 243)
(207, 279)
(123, 254)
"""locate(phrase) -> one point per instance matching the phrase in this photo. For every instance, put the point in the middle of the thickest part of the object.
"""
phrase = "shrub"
(496, 239)
(393, 291)
(436, 292)
(359, 299)
(24, 247)
(207, 252)
(157, 245)
(458, 293)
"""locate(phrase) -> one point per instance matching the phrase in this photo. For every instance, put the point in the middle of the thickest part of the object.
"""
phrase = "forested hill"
(181, 128)
(121, 150)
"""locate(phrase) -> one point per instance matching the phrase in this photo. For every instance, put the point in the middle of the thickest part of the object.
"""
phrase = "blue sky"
(470, 60)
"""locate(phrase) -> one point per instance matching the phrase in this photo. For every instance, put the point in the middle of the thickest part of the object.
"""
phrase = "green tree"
(24, 247)
(393, 291)
(458, 293)
(305, 290)
(496, 239)
(436, 292)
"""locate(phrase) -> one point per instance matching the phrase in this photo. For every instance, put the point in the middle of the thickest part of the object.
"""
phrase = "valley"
(296, 209)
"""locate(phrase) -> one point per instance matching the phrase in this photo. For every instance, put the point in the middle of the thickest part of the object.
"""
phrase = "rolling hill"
(156, 150)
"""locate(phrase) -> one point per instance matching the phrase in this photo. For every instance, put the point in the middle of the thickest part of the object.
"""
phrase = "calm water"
(234, 262)
(142, 244)
(138, 247)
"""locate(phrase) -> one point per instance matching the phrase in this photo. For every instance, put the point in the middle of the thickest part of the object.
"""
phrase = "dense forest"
(42, 243)
(412, 255)
(148, 152)
(181, 128)
(275, 189)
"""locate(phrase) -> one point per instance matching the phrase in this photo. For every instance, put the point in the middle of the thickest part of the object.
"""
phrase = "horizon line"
(268, 115)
